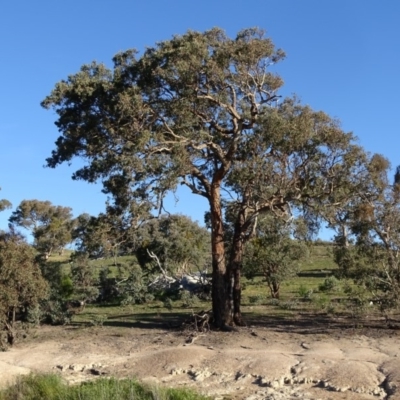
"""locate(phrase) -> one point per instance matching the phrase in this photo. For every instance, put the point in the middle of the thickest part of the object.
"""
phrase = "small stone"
(264, 382)
(323, 384)
(175, 371)
(275, 384)
(77, 367)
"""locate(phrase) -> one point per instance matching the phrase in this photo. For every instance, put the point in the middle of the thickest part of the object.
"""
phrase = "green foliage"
(180, 244)
(168, 303)
(322, 302)
(21, 283)
(107, 235)
(51, 226)
(85, 282)
(288, 305)
(305, 293)
(257, 299)
(274, 253)
(188, 299)
(4, 204)
(51, 387)
(330, 284)
(200, 110)
(66, 287)
(135, 288)
(368, 240)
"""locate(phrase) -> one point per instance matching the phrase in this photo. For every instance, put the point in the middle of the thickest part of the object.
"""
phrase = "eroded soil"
(311, 359)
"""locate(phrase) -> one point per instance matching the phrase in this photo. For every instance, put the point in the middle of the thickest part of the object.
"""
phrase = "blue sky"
(343, 57)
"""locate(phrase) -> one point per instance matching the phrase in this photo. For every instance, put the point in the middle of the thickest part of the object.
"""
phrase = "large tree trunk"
(220, 300)
(234, 270)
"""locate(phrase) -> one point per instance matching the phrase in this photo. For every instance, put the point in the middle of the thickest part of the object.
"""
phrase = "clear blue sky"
(343, 57)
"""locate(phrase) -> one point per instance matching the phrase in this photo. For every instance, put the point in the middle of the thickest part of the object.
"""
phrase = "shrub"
(330, 284)
(305, 293)
(256, 299)
(188, 299)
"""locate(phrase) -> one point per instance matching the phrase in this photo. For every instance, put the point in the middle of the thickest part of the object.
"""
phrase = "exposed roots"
(199, 322)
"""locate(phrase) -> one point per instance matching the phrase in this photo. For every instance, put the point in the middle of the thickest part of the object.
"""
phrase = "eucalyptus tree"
(371, 253)
(296, 159)
(21, 283)
(101, 236)
(199, 110)
(51, 226)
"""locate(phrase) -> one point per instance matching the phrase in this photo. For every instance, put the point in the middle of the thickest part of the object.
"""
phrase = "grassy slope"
(255, 299)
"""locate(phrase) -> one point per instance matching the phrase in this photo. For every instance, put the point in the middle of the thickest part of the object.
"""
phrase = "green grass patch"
(49, 387)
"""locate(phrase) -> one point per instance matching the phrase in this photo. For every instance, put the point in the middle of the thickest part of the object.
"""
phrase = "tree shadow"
(317, 323)
(167, 320)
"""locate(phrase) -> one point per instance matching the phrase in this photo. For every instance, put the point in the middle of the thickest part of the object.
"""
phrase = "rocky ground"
(313, 361)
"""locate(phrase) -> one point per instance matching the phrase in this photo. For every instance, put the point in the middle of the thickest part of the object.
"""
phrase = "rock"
(324, 384)
(263, 381)
(199, 376)
(289, 381)
(95, 371)
(77, 367)
(176, 371)
(275, 384)
(240, 376)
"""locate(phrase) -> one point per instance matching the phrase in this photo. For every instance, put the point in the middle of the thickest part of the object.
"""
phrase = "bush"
(257, 299)
(321, 302)
(288, 305)
(188, 299)
(330, 284)
(305, 293)
(168, 303)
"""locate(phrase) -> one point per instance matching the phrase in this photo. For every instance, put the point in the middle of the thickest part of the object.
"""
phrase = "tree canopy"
(51, 226)
(4, 204)
(180, 244)
(202, 110)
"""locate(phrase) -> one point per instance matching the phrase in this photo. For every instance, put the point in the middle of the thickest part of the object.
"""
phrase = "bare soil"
(309, 357)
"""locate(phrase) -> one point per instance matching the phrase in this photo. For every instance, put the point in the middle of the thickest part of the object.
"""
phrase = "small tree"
(274, 253)
(84, 278)
(21, 283)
